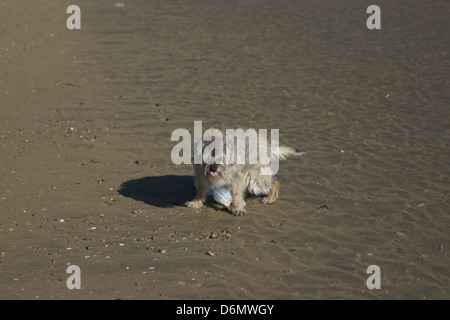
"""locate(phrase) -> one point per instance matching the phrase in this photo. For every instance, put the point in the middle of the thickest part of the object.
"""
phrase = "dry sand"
(87, 179)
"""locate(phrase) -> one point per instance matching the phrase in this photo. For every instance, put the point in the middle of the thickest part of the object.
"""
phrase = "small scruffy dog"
(241, 179)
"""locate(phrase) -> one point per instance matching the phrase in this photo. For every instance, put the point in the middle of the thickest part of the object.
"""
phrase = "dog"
(241, 178)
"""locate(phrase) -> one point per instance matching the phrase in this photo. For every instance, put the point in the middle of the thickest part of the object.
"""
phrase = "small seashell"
(211, 254)
(213, 235)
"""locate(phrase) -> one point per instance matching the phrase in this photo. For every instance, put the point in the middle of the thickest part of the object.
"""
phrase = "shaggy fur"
(241, 179)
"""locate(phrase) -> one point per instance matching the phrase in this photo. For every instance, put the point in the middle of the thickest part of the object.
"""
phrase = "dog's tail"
(283, 152)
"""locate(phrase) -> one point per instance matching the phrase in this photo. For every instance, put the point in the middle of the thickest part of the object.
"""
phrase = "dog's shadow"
(160, 191)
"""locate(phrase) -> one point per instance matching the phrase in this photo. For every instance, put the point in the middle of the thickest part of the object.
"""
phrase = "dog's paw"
(194, 204)
(239, 212)
(266, 200)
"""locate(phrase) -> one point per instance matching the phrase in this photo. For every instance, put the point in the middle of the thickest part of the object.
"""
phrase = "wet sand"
(87, 179)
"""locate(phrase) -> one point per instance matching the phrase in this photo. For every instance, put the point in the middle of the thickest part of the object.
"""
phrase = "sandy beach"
(87, 179)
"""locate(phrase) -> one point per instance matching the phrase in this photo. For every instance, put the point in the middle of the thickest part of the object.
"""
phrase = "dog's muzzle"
(213, 170)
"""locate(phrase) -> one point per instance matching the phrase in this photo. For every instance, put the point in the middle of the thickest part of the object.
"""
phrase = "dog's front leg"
(237, 201)
(202, 185)
(200, 197)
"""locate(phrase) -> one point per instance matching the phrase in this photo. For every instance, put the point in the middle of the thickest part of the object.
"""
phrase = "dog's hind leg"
(273, 194)
(237, 201)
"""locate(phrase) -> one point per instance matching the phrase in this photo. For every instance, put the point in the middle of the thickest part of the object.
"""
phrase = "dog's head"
(213, 153)
(214, 172)
(213, 165)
